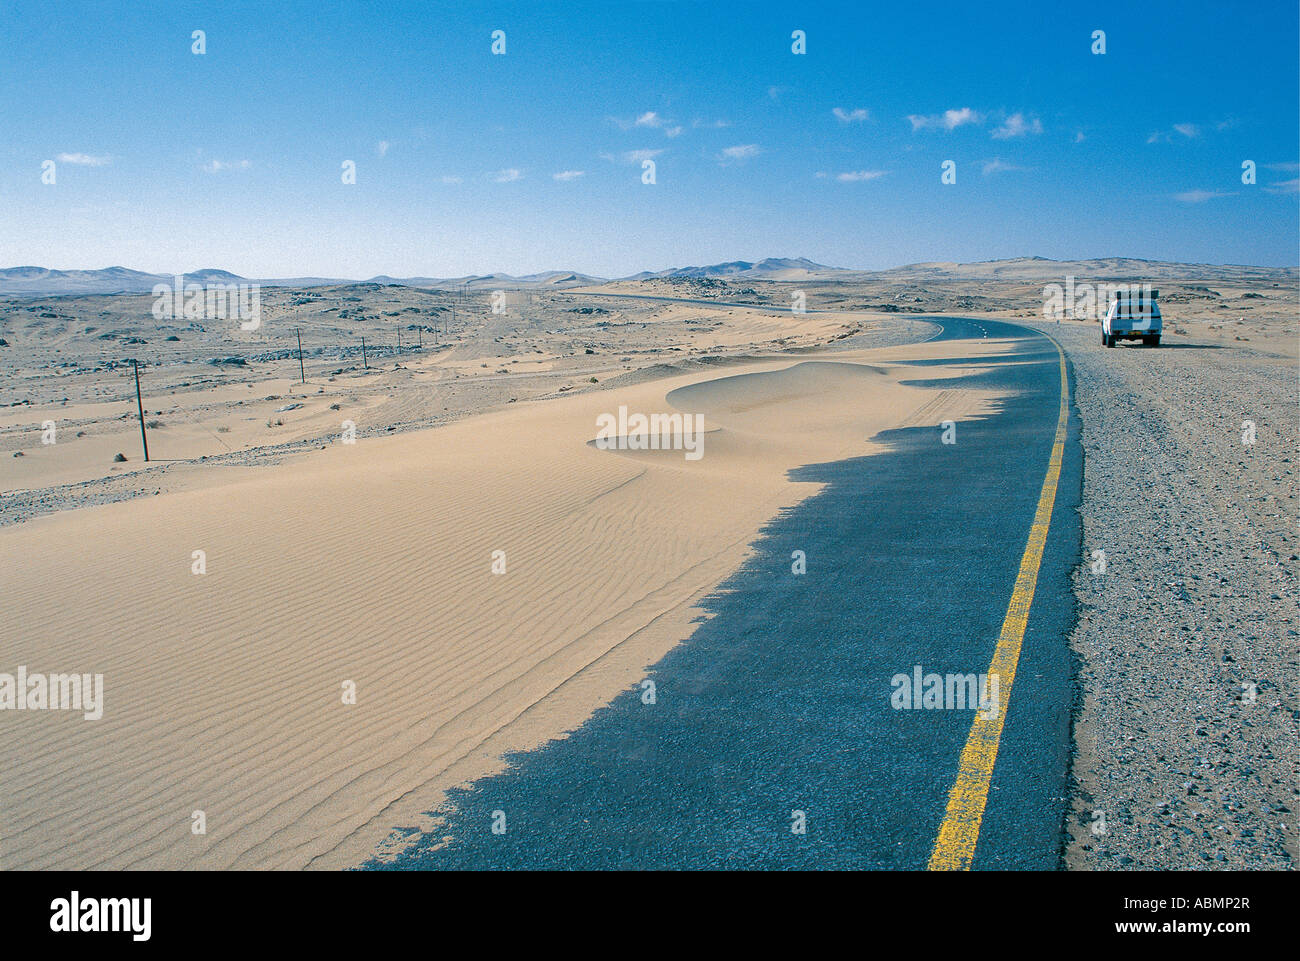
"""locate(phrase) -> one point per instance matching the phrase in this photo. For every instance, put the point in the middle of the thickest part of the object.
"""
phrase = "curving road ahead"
(777, 712)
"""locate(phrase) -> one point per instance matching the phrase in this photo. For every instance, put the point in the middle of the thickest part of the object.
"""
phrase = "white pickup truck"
(1133, 318)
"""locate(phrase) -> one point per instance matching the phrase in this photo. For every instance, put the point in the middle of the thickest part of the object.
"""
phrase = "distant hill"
(1017, 269)
(43, 282)
(773, 268)
(1040, 269)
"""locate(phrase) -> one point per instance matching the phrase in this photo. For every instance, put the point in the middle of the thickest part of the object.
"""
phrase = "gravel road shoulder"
(1186, 740)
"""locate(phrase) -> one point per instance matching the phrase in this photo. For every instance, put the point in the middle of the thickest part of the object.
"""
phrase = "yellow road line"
(955, 847)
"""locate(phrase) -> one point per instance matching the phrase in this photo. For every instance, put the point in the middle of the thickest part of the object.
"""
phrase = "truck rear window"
(1128, 308)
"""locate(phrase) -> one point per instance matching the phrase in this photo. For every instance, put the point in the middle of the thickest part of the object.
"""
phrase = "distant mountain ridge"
(30, 281)
(42, 281)
(45, 282)
(1041, 269)
(768, 269)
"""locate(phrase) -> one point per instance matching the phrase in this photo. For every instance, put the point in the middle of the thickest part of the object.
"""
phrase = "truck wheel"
(1110, 340)
(1104, 341)
(1155, 341)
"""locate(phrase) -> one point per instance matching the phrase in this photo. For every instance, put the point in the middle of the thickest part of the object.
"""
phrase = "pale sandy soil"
(372, 563)
(55, 371)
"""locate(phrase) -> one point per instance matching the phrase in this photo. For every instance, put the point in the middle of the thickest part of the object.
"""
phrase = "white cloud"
(216, 166)
(567, 175)
(738, 154)
(1187, 130)
(1284, 187)
(634, 156)
(997, 165)
(1078, 136)
(857, 115)
(83, 159)
(1017, 126)
(653, 121)
(948, 120)
(1198, 196)
(449, 179)
(710, 124)
(775, 92)
(854, 176)
(507, 176)
(953, 119)
(381, 148)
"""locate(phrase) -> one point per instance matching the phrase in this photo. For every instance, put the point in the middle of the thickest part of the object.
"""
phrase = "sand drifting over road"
(372, 564)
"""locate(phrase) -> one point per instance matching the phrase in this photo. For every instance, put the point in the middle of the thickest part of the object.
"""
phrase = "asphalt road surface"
(776, 714)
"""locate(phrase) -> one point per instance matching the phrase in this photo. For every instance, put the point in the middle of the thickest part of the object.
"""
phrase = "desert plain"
(336, 591)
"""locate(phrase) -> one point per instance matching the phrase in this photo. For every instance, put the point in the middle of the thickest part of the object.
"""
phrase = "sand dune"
(372, 563)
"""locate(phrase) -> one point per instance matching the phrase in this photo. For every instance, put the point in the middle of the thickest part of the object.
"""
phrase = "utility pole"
(301, 372)
(139, 405)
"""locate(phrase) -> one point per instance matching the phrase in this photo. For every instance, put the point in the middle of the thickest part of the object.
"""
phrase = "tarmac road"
(781, 702)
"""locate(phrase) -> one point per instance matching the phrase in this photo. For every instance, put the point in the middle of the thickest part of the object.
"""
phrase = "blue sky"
(168, 161)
